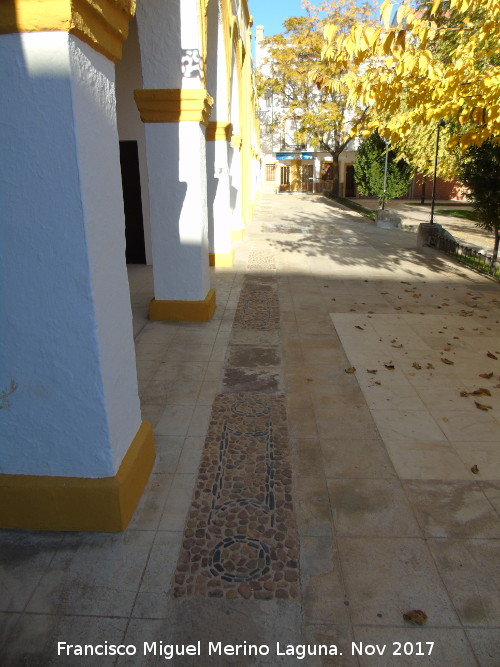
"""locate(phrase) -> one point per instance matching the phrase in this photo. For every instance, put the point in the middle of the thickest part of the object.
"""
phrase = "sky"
(272, 13)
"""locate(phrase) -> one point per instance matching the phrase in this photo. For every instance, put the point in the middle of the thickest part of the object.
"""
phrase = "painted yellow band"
(172, 105)
(237, 234)
(236, 141)
(221, 258)
(219, 131)
(183, 311)
(103, 24)
(77, 503)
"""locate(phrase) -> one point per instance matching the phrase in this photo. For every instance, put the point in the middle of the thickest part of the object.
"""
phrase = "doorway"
(350, 183)
(135, 251)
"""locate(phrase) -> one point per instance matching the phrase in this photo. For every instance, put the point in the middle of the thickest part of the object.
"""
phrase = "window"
(270, 172)
(285, 175)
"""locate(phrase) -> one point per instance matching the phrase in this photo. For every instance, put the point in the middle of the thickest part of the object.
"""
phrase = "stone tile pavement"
(323, 468)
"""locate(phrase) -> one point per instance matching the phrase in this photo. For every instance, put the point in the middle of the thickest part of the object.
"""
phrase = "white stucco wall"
(179, 229)
(176, 156)
(94, 109)
(65, 336)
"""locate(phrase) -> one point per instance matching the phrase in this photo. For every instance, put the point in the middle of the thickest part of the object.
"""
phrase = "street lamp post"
(384, 195)
(439, 126)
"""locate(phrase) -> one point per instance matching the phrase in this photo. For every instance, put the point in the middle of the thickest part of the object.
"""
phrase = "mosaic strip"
(261, 259)
(258, 306)
(241, 536)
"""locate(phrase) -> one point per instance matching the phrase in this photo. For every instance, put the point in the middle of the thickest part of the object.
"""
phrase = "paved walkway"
(328, 460)
(464, 231)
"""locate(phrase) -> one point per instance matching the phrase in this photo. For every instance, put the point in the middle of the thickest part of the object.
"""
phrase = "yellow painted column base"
(221, 258)
(106, 504)
(237, 234)
(183, 311)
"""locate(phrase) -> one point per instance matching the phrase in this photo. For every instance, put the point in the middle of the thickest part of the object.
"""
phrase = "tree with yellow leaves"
(438, 60)
(321, 115)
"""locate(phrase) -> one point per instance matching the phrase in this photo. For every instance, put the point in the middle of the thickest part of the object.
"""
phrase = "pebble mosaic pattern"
(258, 306)
(241, 538)
(261, 259)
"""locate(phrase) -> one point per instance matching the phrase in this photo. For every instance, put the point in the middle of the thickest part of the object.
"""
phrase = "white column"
(66, 336)
(175, 109)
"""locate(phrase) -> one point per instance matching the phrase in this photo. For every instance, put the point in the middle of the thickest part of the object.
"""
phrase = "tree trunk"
(494, 259)
(422, 192)
(335, 174)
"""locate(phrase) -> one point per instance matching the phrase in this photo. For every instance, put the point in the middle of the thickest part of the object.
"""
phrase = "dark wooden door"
(350, 184)
(135, 252)
(306, 174)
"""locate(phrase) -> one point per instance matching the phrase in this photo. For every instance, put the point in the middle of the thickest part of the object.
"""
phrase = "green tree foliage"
(292, 58)
(370, 167)
(480, 172)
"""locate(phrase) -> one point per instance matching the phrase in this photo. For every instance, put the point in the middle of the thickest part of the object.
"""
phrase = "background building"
(288, 166)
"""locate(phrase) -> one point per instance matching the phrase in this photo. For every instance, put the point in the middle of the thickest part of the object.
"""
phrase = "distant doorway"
(306, 177)
(350, 183)
(135, 252)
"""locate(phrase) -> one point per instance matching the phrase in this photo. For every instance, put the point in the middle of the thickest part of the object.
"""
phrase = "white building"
(165, 85)
(288, 166)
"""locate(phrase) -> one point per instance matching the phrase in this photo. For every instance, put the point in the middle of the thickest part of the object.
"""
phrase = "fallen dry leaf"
(350, 370)
(491, 355)
(309, 379)
(370, 371)
(416, 365)
(464, 393)
(487, 376)
(397, 308)
(475, 470)
(358, 327)
(390, 367)
(404, 282)
(415, 616)
(481, 392)
(352, 310)
(447, 361)
(430, 366)
(397, 346)
(482, 406)
(497, 386)
(377, 382)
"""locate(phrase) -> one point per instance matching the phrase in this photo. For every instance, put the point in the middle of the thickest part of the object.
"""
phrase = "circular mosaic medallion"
(250, 407)
(240, 558)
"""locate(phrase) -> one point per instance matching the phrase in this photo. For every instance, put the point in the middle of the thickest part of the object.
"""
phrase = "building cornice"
(103, 24)
(174, 105)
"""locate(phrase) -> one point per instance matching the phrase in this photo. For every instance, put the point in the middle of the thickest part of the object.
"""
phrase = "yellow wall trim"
(183, 311)
(237, 234)
(221, 258)
(76, 503)
(219, 131)
(103, 24)
(236, 141)
(173, 105)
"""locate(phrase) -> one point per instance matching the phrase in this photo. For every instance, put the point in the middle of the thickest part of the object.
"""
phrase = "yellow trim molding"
(237, 234)
(221, 258)
(183, 311)
(173, 105)
(219, 131)
(76, 503)
(236, 141)
(103, 24)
